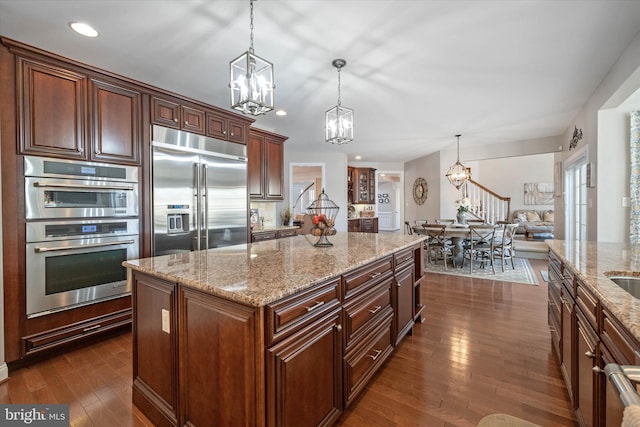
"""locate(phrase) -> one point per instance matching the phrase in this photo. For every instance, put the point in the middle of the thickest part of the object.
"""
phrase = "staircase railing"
(486, 204)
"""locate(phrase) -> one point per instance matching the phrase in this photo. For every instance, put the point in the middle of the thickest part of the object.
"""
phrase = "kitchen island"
(271, 333)
(593, 322)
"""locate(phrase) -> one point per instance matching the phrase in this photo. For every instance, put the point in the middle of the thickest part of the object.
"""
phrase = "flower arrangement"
(285, 215)
(463, 205)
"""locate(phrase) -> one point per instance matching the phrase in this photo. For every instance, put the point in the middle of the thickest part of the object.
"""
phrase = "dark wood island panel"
(250, 346)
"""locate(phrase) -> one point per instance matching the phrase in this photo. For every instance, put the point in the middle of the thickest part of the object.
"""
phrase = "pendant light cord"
(339, 69)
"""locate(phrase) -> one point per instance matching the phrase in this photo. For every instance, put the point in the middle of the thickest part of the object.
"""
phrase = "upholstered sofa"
(533, 221)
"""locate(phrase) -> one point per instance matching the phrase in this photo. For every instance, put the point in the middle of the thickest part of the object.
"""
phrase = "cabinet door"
(237, 131)
(304, 376)
(192, 120)
(255, 156)
(218, 348)
(155, 369)
(585, 378)
(165, 113)
(274, 169)
(51, 110)
(115, 123)
(568, 335)
(611, 406)
(403, 303)
(216, 126)
(354, 225)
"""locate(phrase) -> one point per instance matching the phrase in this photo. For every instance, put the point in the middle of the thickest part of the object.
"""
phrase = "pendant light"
(458, 173)
(251, 80)
(339, 120)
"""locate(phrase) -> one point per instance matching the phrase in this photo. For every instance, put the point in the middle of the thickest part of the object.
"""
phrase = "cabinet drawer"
(587, 303)
(363, 362)
(38, 342)
(263, 235)
(555, 264)
(568, 281)
(403, 258)
(554, 301)
(361, 312)
(287, 233)
(362, 278)
(285, 316)
(619, 341)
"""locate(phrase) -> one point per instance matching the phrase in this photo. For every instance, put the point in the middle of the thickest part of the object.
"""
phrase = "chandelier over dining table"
(251, 80)
(458, 173)
(339, 119)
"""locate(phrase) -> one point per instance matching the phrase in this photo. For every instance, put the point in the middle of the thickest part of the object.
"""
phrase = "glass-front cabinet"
(362, 185)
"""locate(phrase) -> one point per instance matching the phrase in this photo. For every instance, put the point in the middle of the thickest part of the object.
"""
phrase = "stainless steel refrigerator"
(199, 192)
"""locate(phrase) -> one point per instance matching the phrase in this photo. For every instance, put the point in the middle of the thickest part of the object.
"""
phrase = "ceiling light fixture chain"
(251, 79)
(339, 119)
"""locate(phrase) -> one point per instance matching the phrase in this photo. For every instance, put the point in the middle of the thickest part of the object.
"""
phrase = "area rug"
(504, 420)
(523, 273)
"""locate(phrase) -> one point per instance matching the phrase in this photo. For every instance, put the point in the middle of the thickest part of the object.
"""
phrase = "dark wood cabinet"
(362, 182)
(171, 113)
(222, 127)
(586, 348)
(363, 225)
(568, 342)
(403, 297)
(265, 169)
(51, 110)
(54, 115)
(116, 123)
(155, 367)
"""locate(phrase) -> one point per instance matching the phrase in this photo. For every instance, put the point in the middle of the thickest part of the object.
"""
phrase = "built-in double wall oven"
(82, 222)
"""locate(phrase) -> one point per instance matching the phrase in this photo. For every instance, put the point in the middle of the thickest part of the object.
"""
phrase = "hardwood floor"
(483, 348)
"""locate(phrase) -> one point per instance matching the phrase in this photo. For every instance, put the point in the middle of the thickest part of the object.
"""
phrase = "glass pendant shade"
(458, 173)
(339, 125)
(251, 84)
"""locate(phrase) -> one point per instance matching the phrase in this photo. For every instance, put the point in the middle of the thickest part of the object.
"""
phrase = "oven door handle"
(80, 186)
(90, 245)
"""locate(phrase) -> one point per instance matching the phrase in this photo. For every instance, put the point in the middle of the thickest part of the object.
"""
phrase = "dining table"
(457, 233)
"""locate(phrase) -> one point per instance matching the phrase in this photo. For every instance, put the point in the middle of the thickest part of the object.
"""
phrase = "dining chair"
(480, 246)
(407, 227)
(437, 245)
(504, 244)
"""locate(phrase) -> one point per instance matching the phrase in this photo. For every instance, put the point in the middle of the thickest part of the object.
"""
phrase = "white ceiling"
(417, 72)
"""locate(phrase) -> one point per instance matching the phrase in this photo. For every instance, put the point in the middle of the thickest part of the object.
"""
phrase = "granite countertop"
(259, 273)
(591, 260)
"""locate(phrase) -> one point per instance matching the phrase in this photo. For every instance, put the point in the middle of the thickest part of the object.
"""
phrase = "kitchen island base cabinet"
(304, 373)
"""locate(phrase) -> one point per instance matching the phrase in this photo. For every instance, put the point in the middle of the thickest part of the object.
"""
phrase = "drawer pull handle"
(339, 328)
(407, 258)
(376, 309)
(316, 305)
(597, 370)
(375, 356)
(374, 275)
(589, 354)
(92, 328)
(552, 329)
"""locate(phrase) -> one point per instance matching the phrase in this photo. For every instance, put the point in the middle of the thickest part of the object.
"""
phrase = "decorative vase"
(462, 217)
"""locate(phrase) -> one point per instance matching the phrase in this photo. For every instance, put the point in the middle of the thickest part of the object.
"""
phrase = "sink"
(631, 284)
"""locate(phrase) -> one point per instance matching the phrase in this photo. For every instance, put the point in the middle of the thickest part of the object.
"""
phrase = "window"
(576, 198)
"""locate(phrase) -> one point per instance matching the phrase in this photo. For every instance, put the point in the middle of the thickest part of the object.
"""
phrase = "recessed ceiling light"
(358, 157)
(281, 113)
(84, 29)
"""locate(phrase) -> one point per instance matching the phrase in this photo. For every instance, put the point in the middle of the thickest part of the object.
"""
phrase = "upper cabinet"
(265, 151)
(174, 114)
(53, 111)
(361, 183)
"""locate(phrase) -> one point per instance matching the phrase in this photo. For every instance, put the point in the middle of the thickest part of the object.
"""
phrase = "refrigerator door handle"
(198, 207)
(205, 199)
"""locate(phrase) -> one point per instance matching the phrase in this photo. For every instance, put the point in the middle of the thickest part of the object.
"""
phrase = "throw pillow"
(522, 217)
(548, 216)
(533, 216)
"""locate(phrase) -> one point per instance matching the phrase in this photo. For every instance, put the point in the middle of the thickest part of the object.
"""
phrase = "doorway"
(576, 198)
(389, 200)
(307, 180)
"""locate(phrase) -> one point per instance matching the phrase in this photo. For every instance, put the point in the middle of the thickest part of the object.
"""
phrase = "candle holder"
(323, 213)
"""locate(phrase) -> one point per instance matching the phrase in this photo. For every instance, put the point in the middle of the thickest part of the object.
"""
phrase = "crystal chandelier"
(458, 173)
(251, 80)
(339, 120)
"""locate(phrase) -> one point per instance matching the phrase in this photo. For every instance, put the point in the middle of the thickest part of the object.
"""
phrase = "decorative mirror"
(420, 190)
